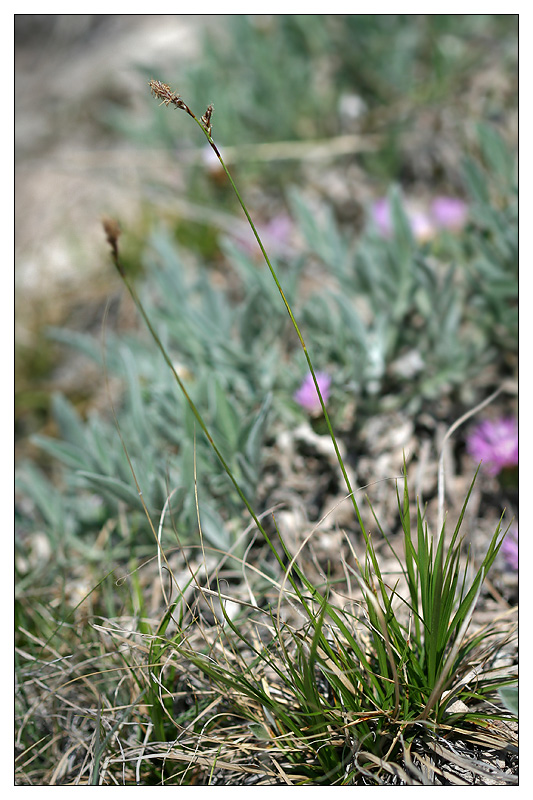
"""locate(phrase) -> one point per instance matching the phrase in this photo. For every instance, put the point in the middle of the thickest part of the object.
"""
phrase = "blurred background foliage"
(310, 76)
(398, 320)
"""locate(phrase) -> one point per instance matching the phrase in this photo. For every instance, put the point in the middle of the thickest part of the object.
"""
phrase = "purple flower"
(495, 443)
(420, 223)
(275, 235)
(382, 216)
(510, 548)
(445, 213)
(307, 395)
(449, 213)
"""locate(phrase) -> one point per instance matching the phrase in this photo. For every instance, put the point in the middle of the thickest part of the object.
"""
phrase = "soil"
(72, 167)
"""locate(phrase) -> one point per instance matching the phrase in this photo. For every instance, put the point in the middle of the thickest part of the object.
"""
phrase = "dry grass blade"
(390, 767)
(482, 739)
(426, 774)
(466, 761)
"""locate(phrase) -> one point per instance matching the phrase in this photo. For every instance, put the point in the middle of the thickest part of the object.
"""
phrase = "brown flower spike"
(206, 119)
(164, 93)
(112, 232)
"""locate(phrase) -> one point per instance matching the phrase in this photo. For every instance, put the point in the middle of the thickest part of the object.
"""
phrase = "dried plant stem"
(452, 429)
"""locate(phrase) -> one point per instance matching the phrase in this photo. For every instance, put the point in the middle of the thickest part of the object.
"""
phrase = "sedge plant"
(354, 683)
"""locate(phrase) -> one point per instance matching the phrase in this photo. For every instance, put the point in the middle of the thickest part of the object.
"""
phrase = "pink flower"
(445, 213)
(307, 395)
(420, 222)
(382, 217)
(274, 234)
(449, 213)
(510, 548)
(495, 443)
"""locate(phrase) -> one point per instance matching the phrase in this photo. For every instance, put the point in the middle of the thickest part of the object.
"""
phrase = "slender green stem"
(168, 97)
(136, 299)
(291, 315)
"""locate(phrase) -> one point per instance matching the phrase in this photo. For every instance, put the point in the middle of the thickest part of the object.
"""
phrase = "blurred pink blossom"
(495, 443)
(510, 548)
(307, 395)
(449, 213)
(381, 216)
(444, 213)
(274, 234)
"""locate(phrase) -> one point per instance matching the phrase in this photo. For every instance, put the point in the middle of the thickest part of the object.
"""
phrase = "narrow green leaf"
(113, 488)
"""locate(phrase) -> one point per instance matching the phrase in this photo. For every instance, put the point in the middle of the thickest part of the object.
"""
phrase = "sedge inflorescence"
(164, 93)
